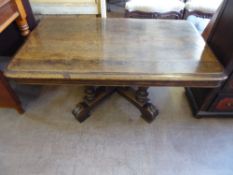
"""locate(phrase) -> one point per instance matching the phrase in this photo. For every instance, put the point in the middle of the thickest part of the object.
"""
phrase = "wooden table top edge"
(157, 80)
(14, 74)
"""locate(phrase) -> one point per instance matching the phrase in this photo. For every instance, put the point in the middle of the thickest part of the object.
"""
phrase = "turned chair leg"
(21, 20)
(23, 26)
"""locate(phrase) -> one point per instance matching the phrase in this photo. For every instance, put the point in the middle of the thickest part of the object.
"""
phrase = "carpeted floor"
(47, 140)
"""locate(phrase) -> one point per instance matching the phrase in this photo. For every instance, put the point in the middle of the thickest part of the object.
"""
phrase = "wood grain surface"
(116, 52)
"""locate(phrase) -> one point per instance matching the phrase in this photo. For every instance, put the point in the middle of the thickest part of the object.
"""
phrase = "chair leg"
(108, 6)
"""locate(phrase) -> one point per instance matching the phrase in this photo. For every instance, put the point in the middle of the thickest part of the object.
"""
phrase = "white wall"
(69, 7)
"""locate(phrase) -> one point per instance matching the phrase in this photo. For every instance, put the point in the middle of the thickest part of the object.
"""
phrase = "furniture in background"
(171, 9)
(198, 12)
(163, 9)
(119, 58)
(11, 37)
(13, 10)
(201, 8)
(114, 2)
(219, 35)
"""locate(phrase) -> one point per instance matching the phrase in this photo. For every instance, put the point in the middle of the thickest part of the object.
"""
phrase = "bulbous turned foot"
(149, 112)
(93, 97)
(81, 112)
(139, 98)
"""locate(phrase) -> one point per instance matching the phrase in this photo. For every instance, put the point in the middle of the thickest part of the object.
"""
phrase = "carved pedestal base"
(139, 98)
(93, 97)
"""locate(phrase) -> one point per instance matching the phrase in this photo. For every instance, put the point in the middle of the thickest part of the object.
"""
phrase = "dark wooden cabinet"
(217, 101)
(228, 88)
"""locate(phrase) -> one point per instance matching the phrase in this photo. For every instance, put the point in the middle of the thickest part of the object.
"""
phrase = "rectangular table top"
(116, 52)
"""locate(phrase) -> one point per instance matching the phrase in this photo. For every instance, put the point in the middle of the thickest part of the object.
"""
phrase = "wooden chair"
(162, 9)
(201, 8)
(20, 12)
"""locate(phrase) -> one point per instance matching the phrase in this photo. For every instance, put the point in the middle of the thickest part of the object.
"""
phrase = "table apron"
(204, 84)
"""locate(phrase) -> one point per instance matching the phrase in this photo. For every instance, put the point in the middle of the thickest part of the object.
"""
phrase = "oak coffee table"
(114, 55)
